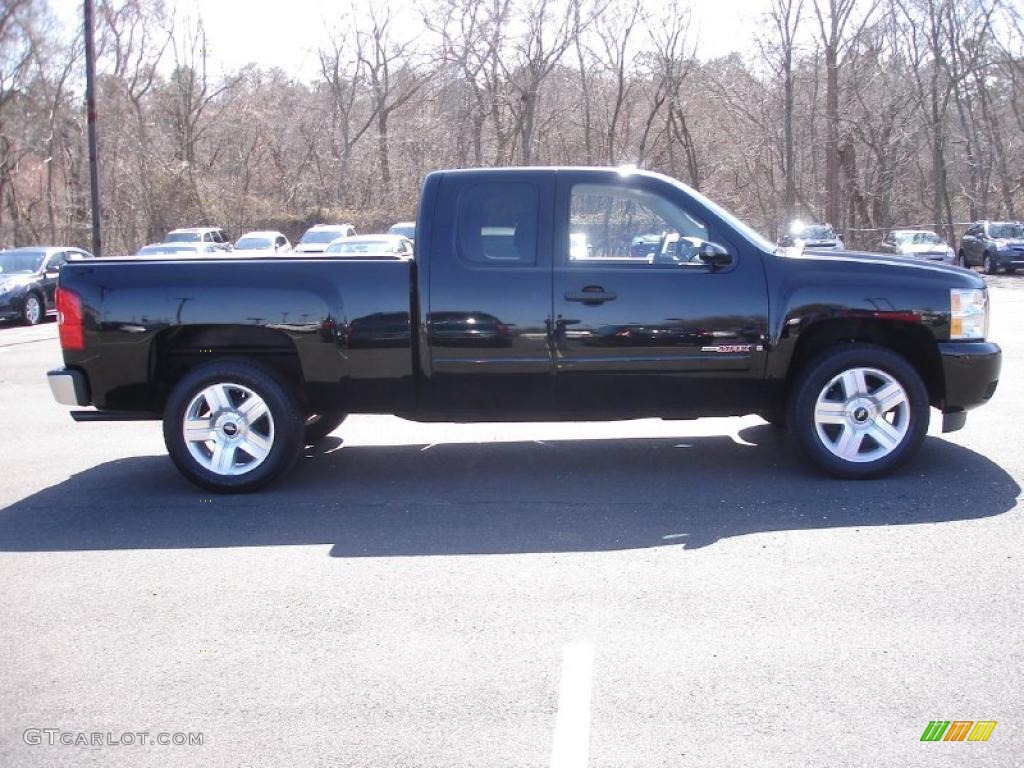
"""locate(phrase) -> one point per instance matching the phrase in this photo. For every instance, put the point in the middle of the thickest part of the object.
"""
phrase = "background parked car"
(395, 246)
(817, 237)
(318, 237)
(405, 229)
(180, 249)
(28, 281)
(992, 245)
(214, 235)
(918, 244)
(262, 243)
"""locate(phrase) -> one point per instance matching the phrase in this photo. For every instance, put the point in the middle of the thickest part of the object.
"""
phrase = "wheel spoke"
(848, 445)
(217, 397)
(890, 396)
(223, 458)
(256, 445)
(199, 430)
(853, 383)
(253, 409)
(885, 434)
(828, 412)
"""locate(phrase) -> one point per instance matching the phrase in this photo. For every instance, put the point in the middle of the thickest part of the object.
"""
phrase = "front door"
(642, 321)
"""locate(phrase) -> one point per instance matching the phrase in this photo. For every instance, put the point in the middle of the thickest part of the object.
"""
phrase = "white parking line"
(571, 747)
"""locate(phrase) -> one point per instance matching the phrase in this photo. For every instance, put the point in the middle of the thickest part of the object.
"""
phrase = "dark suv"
(992, 245)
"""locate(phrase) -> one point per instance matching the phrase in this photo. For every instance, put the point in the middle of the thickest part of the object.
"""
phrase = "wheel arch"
(913, 342)
(177, 351)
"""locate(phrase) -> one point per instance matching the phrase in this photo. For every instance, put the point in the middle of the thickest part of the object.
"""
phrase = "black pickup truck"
(529, 299)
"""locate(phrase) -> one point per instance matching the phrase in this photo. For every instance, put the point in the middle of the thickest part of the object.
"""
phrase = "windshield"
(405, 230)
(1001, 231)
(380, 248)
(183, 237)
(817, 232)
(255, 244)
(745, 229)
(925, 238)
(21, 262)
(322, 235)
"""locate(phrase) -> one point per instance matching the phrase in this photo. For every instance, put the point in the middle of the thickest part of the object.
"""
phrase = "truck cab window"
(633, 226)
(498, 224)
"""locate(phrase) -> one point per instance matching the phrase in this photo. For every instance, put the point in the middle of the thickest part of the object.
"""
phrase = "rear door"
(488, 294)
(641, 322)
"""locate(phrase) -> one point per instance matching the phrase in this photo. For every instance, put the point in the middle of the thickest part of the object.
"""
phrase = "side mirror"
(714, 255)
(786, 241)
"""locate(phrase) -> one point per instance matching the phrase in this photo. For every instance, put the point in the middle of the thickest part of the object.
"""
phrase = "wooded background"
(864, 113)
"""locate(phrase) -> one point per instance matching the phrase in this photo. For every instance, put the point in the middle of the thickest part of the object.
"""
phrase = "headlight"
(968, 313)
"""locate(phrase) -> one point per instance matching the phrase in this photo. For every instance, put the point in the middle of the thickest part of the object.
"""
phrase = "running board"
(114, 416)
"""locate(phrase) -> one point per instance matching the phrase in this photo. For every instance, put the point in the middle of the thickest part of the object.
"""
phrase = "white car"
(917, 244)
(318, 237)
(393, 246)
(262, 243)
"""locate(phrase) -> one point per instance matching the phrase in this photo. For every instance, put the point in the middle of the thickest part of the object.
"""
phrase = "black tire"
(961, 261)
(988, 265)
(33, 309)
(320, 425)
(286, 421)
(811, 382)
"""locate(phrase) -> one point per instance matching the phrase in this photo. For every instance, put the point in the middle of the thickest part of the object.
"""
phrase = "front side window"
(498, 224)
(56, 261)
(633, 226)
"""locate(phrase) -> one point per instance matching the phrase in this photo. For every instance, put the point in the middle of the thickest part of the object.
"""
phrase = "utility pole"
(90, 109)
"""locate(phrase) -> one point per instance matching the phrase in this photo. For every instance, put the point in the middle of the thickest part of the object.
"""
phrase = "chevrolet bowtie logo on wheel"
(958, 730)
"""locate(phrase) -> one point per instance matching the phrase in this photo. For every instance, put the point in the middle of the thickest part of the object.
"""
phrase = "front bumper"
(1004, 259)
(971, 372)
(68, 386)
(10, 308)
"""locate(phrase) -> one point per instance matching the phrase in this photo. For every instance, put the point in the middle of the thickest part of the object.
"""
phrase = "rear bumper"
(68, 386)
(971, 373)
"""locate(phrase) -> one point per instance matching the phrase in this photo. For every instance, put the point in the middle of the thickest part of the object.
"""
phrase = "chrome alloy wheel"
(862, 414)
(33, 309)
(228, 429)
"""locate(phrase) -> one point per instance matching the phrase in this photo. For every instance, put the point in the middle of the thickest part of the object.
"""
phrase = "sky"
(287, 34)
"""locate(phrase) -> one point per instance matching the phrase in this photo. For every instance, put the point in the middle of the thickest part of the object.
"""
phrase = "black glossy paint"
(445, 338)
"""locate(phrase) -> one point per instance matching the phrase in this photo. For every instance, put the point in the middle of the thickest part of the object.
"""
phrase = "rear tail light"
(70, 322)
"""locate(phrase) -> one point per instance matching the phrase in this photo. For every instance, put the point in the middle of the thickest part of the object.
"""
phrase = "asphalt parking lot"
(636, 594)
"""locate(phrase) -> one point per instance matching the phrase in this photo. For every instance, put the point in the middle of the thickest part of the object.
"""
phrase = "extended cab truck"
(525, 302)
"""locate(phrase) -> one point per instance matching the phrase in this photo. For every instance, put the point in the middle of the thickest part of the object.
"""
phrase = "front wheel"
(960, 261)
(231, 427)
(859, 411)
(32, 310)
(988, 265)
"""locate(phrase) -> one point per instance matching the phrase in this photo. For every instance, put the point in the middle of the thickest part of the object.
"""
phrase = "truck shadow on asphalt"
(493, 498)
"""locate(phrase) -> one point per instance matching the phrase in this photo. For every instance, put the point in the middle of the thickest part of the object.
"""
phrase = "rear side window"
(498, 224)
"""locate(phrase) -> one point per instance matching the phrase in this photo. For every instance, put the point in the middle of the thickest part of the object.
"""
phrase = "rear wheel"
(320, 425)
(960, 262)
(859, 411)
(32, 310)
(232, 427)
